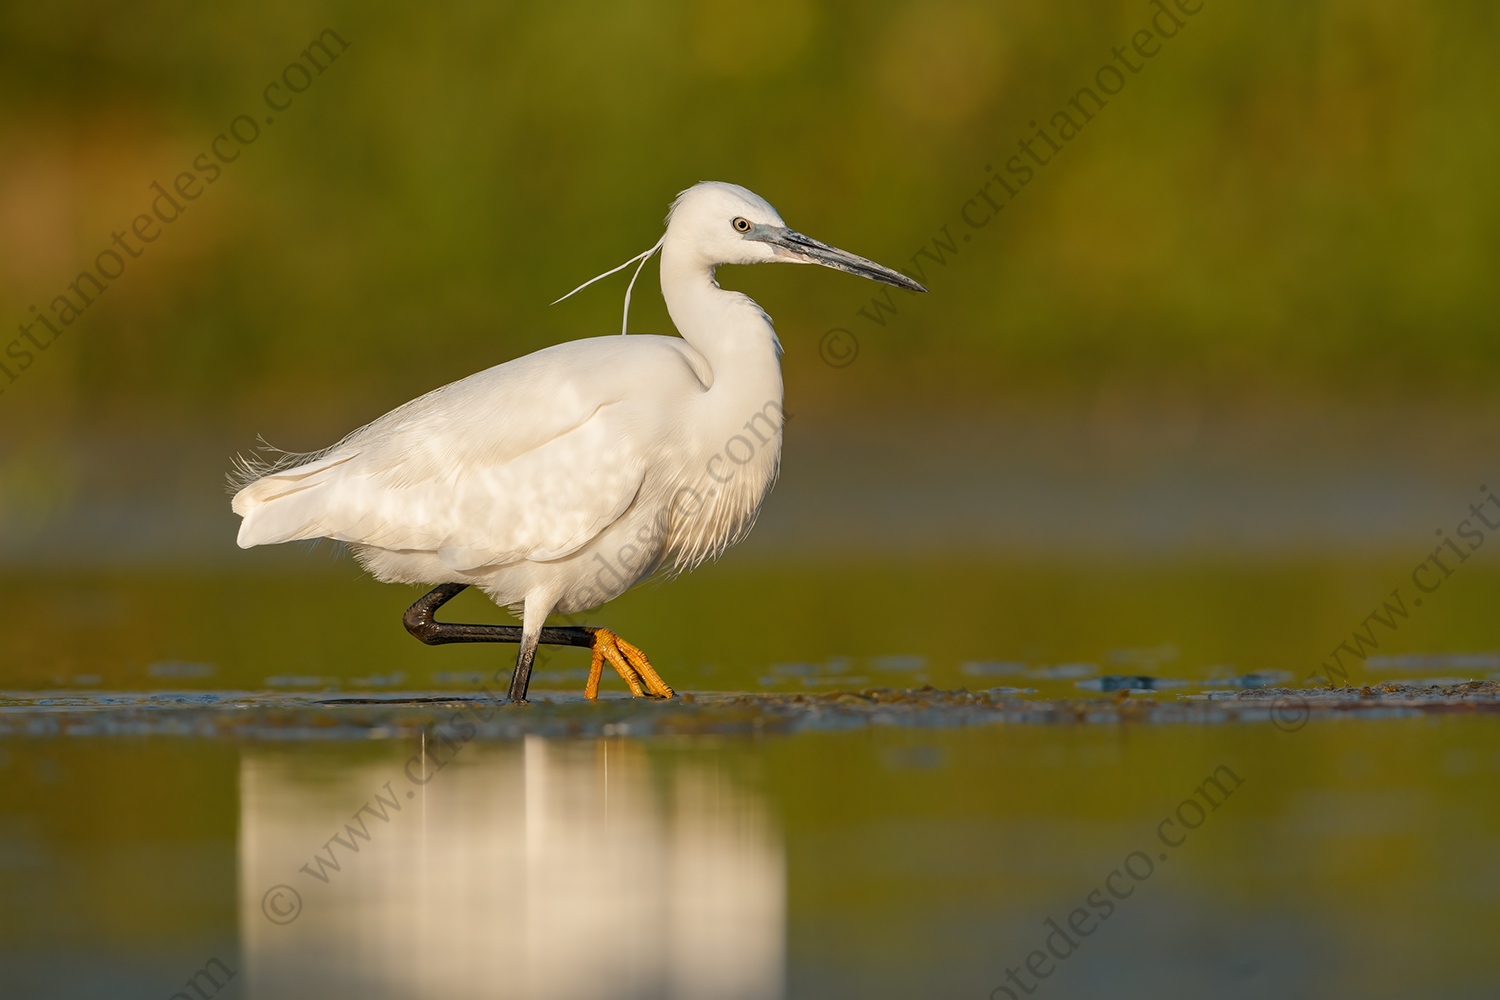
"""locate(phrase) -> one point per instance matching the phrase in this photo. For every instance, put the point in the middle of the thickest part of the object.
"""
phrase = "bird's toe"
(629, 662)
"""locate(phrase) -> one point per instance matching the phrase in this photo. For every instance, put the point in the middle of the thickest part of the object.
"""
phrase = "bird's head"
(724, 223)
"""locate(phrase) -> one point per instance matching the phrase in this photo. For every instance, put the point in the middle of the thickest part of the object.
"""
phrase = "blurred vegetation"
(1290, 198)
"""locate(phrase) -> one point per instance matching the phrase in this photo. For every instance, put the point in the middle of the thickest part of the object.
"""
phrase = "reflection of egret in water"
(546, 869)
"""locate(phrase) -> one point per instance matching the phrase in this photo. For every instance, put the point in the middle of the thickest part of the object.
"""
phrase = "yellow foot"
(628, 661)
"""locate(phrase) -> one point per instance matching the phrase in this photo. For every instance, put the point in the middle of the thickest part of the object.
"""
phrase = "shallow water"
(181, 747)
(767, 625)
(1349, 857)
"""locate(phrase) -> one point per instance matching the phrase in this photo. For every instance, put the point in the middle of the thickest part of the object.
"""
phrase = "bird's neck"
(731, 332)
(736, 426)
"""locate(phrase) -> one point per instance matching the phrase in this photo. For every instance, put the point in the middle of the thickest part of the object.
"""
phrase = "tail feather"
(275, 507)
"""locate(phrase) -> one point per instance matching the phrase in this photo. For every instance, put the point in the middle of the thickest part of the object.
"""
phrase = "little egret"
(557, 481)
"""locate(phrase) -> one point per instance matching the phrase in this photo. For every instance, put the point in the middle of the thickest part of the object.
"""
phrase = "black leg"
(520, 678)
(420, 623)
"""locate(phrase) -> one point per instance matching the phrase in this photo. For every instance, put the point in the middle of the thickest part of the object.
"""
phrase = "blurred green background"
(1240, 330)
(1290, 198)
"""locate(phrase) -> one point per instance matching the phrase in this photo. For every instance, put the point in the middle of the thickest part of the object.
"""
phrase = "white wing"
(528, 460)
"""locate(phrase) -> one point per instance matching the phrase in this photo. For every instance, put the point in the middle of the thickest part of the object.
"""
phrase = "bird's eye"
(742, 225)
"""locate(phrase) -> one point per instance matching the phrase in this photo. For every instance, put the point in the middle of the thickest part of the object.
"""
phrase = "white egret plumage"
(557, 481)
